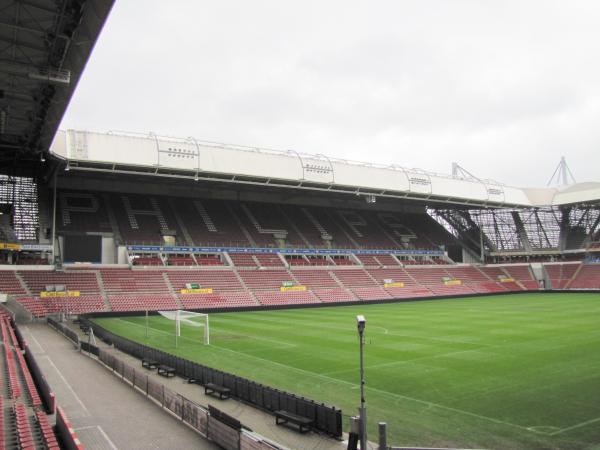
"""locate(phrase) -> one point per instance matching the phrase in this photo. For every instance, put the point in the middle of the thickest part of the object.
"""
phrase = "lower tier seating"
(588, 277)
(142, 302)
(334, 295)
(286, 298)
(23, 422)
(122, 289)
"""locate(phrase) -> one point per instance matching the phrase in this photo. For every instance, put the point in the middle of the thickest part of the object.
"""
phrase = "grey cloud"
(504, 88)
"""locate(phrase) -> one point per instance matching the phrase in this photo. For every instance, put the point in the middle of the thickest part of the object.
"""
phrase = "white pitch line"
(279, 343)
(395, 363)
(579, 425)
(354, 385)
(427, 338)
(102, 432)
(112, 445)
(87, 413)
(35, 340)
(385, 330)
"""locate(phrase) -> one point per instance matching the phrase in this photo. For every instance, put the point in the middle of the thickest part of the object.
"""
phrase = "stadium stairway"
(172, 290)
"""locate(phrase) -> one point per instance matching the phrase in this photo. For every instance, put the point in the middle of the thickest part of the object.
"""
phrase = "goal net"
(189, 318)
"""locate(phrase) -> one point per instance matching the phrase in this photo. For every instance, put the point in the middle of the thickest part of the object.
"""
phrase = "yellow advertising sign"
(507, 280)
(397, 284)
(45, 294)
(292, 288)
(197, 291)
(453, 282)
(6, 246)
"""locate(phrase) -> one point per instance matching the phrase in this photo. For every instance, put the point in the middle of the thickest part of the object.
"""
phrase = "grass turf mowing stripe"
(516, 371)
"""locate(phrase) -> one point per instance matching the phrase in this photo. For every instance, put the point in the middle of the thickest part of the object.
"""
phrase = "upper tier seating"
(264, 221)
(210, 222)
(80, 212)
(145, 219)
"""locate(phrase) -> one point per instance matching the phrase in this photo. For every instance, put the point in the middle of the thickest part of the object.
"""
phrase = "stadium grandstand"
(135, 219)
(94, 222)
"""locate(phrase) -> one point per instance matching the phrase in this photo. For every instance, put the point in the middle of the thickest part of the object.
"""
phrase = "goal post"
(189, 318)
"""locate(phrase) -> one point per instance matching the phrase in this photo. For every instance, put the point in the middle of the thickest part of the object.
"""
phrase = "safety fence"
(326, 419)
(65, 330)
(211, 423)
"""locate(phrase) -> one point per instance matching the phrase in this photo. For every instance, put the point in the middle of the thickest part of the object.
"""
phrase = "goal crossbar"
(189, 318)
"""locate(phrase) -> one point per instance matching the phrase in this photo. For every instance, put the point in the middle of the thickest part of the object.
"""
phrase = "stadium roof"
(188, 158)
(44, 46)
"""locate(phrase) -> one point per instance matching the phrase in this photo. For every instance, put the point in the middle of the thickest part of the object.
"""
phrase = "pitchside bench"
(166, 371)
(283, 417)
(149, 363)
(221, 391)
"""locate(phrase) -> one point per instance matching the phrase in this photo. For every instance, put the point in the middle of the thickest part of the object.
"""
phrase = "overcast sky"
(504, 88)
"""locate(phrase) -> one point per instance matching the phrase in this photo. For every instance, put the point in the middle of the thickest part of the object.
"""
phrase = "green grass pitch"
(504, 372)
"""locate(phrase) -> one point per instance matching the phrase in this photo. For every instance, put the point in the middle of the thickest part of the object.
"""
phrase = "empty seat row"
(142, 302)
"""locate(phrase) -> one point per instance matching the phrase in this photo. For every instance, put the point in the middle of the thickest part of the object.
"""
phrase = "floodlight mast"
(360, 323)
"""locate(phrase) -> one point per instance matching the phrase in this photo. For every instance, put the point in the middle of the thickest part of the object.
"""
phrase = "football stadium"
(170, 292)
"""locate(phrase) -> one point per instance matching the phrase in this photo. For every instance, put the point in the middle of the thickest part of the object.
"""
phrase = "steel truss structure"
(22, 196)
(528, 231)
